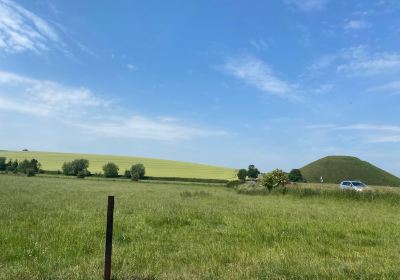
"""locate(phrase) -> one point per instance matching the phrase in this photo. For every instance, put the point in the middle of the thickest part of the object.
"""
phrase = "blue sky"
(274, 83)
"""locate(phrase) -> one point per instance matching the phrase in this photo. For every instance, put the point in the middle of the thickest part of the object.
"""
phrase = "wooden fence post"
(109, 230)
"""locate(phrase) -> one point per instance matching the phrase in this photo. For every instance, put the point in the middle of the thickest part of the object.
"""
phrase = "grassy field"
(154, 167)
(53, 228)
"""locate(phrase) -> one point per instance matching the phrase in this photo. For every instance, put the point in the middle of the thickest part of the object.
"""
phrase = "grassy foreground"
(53, 228)
(154, 167)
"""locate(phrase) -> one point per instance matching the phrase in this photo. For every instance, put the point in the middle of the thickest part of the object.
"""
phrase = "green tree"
(274, 179)
(3, 163)
(68, 169)
(35, 165)
(76, 166)
(295, 175)
(12, 166)
(127, 173)
(110, 170)
(23, 166)
(242, 174)
(252, 171)
(137, 172)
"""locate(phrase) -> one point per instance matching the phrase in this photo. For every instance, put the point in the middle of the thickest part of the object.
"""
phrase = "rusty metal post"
(109, 231)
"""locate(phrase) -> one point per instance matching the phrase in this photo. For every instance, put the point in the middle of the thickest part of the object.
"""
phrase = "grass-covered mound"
(337, 168)
(154, 167)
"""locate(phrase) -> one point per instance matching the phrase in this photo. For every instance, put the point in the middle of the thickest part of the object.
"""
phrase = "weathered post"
(109, 230)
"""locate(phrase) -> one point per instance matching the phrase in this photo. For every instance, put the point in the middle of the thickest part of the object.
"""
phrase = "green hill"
(154, 167)
(337, 168)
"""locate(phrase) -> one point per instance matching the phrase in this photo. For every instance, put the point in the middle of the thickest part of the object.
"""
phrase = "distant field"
(53, 228)
(154, 167)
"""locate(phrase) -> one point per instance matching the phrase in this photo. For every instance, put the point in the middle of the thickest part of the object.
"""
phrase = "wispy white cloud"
(81, 108)
(391, 87)
(45, 97)
(85, 49)
(22, 30)
(259, 44)
(370, 133)
(356, 24)
(385, 139)
(358, 61)
(257, 73)
(141, 127)
(131, 66)
(359, 126)
(307, 5)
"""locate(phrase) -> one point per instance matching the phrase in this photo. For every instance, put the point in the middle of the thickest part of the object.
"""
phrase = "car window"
(358, 184)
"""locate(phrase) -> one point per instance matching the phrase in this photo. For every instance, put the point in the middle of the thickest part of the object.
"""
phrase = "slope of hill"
(337, 168)
(154, 167)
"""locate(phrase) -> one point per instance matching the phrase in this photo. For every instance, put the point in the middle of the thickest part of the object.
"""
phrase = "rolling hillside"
(154, 167)
(337, 168)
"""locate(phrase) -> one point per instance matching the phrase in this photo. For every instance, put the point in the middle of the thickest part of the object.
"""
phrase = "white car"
(353, 185)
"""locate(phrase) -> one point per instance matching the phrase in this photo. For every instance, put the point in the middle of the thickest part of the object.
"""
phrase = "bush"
(251, 189)
(12, 166)
(252, 172)
(110, 170)
(23, 166)
(127, 174)
(274, 179)
(81, 174)
(137, 172)
(68, 169)
(295, 175)
(233, 184)
(30, 172)
(3, 164)
(35, 165)
(242, 174)
(75, 167)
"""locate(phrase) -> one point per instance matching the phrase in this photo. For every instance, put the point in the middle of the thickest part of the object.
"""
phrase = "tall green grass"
(52, 228)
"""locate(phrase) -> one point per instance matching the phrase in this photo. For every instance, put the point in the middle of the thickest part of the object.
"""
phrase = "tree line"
(274, 179)
(28, 167)
(79, 168)
(253, 173)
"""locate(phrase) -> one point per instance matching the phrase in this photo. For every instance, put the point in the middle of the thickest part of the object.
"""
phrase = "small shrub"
(76, 166)
(242, 174)
(276, 178)
(135, 176)
(233, 184)
(110, 170)
(251, 189)
(81, 174)
(30, 172)
(3, 164)
(127, 174)
(23, 166)
(137, 172)
(295, 176)
(12, 166)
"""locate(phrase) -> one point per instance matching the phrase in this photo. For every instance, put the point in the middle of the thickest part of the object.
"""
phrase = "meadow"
(154, 167)
(53, 228)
